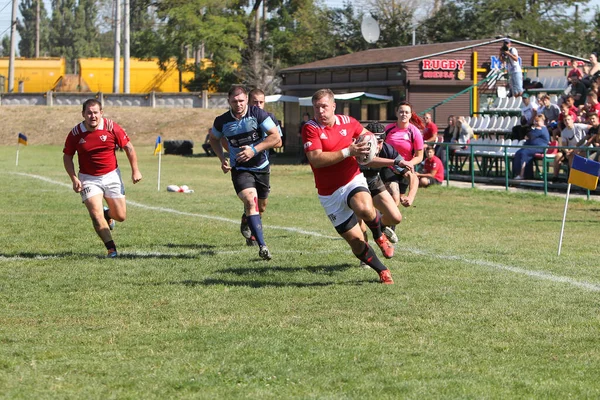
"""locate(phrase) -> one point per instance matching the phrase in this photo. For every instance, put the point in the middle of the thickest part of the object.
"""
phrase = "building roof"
(399, 55)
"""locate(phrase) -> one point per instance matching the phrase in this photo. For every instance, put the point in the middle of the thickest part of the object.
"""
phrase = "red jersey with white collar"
(96, 149)
(434, 163)
(341, 135)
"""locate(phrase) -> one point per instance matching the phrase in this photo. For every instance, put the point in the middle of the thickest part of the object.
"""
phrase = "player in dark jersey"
(256, 97)
(250, 133)
(382, 199)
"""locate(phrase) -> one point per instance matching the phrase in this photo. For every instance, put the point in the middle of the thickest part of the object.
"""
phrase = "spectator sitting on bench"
(537, 136)
(463, 133)
(206, 145)
(528, 113)
(572, 136)
(593, 137)
(592, 104)
(551, 111)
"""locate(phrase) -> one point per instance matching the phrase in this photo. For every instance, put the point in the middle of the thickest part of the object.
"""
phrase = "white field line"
(517, 270)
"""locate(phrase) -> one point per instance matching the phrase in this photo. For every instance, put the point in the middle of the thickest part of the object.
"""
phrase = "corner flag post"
(584, 173)
(21, 139)
(158, 150)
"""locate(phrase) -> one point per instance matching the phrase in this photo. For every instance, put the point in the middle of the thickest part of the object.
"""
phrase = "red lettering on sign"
(444, 64)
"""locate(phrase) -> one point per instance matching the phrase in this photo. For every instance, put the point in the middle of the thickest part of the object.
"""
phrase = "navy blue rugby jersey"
(249, 130)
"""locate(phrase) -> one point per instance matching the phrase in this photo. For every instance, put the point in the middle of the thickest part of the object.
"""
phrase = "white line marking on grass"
(21, 258)
(517, 270)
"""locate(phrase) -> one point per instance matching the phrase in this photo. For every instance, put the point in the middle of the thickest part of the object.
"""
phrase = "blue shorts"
(515, 81)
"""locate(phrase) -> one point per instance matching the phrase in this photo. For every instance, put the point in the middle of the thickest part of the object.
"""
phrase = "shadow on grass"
(319, 269)
(261, 284)
(68, 254)
(198, 246)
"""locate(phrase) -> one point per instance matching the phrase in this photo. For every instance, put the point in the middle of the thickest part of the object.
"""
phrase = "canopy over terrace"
(361, 97)
(356, 99)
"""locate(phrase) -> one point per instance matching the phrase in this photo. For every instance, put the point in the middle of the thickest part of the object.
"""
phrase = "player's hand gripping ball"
(372, 143)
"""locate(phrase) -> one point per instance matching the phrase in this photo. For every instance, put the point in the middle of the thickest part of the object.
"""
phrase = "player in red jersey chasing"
(95, 141)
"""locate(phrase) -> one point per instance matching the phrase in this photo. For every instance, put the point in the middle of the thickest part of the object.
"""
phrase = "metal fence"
(152, 99)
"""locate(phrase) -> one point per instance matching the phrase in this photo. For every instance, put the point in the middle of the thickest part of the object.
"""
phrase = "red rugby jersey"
(339, 136)
(96, 149)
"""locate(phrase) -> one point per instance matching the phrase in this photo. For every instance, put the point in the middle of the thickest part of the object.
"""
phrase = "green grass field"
(482, 306)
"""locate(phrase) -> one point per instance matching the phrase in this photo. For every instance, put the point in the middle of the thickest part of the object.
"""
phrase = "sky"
(6, 10)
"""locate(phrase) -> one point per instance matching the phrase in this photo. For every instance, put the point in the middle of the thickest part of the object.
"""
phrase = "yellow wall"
(145, 76)
(38, 75)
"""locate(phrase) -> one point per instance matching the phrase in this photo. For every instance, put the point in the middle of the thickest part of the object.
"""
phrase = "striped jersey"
(250, 130)
(96, 149)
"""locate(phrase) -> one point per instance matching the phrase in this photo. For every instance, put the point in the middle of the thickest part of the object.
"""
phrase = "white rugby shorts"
(109, 185)
(336, 205)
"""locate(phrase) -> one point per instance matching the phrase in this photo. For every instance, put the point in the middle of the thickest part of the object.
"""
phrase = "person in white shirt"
(528, 112)
(573, 135)
(510, 56)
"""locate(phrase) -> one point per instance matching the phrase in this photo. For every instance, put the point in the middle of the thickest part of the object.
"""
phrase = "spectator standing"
(430, 131)
(523, 160)
(578, 90)
(433, 170)
(329, 143)
(510, 56)
(95, 140)
(591, 71)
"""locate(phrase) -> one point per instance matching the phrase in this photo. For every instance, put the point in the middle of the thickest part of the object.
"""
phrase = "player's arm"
(70, 168)
(413, 186)
(215, 143)
(418, 158)
(271, 141)
(136, 175)
(319, 158)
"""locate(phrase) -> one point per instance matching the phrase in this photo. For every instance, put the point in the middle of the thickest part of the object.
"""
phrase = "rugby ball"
(372, 143)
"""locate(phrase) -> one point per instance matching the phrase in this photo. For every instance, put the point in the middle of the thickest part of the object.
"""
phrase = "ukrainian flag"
(158, 146)
(22, 139)
(584, 173)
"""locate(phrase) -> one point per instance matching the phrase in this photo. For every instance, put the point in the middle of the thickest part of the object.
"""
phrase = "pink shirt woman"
(404, 136)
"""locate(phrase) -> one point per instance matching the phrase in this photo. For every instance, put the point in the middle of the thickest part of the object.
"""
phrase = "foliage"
(189, 24)
(547, 23)
(74, 30)
(5, 46)
(26, 28)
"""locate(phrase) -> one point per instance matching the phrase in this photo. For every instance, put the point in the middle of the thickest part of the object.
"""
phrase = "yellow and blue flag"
(158, 146)
(22, 139)
(584, 173)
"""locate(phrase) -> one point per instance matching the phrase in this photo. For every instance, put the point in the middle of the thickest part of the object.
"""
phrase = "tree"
(26, 28)
(395, 18)
(300, 33)
(187, 25)
(5, 46)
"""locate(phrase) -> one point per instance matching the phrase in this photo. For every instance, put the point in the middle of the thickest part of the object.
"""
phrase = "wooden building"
(423, 74)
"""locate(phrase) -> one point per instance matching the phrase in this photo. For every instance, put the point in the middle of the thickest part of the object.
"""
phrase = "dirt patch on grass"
(50, 125)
